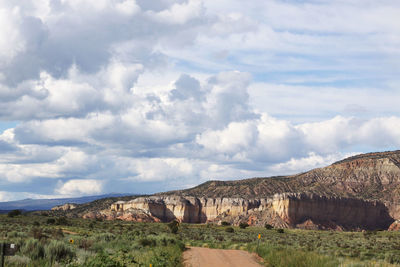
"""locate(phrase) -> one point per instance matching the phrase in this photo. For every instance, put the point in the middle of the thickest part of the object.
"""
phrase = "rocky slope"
(374, 176)
(361, 192)
(67, 206)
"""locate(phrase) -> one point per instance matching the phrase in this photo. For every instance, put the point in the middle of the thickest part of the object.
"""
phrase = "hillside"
(360, 192)
(373, 176)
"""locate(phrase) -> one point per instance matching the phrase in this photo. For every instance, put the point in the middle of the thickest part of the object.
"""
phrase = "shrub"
(107, 237)
(36, 223)
(18, 261)
(229, 230)
(14, 213)
(15, 234)
(392, 258)
(243, 225)
(57, 233)
(33, 249)
(268, 226)
(174, 227)
(51, 221)
(281, 231)
(146, 242)
(102, 260)
(62, 221)
(279, 256)
(57, 250)
(225, 223)
(37, 233)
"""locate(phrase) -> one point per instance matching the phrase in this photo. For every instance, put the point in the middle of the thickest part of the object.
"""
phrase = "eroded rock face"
(68, 206)
(360, 192)
(287, 210)
(395, 226)
(347, 212)
(373, 176)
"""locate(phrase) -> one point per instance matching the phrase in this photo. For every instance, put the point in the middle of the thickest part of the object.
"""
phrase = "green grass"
(119, 243)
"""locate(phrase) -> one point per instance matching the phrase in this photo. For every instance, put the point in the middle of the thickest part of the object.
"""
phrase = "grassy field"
(48, 241)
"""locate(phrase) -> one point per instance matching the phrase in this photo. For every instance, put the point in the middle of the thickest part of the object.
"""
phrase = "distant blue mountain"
(46, 204)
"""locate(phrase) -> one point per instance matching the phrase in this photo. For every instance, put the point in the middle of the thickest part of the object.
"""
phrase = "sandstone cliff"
(374, 176)
(281, 210)
(67, 206)
(360, 192)
(395, 226)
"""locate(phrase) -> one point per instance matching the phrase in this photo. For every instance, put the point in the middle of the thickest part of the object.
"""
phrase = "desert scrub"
(107, 237)
(100, 260)
(59, 251)
(33, 249)
(18, 261)
(289, 257)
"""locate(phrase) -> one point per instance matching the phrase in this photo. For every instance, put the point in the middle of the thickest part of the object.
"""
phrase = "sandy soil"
(206, 257)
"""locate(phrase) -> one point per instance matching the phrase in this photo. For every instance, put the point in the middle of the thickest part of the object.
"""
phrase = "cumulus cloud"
(80, 187)
(108, 92)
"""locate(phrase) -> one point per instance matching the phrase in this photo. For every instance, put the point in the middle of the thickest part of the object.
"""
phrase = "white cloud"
(311, 161)
(11, 39)
(146, 91)
(11, 196)
(80, 187)
(179, 13)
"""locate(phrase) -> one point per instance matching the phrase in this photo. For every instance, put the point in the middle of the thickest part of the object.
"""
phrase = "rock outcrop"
(395, 226)
(360, 192)
(65, 207)
(370, 177)
(288, 210)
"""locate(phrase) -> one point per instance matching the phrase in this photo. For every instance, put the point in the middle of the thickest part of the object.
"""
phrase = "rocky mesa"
(280, 210)
(360, 192)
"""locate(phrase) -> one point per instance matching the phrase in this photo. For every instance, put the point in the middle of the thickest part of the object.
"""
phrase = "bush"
(229, 230)
(243, 225)
(51, 221)
(174, 227)
(392, 258)
(14, 213)
(107, 237)
(33, 249)
(225, 223)
(280, 256)
(18, 261)
(57, 250)
(102, 260)
(268, 226)
(85, 243)
(57, 233)
(37, 233)
(281, 231)
(146, 242)
(62, 221)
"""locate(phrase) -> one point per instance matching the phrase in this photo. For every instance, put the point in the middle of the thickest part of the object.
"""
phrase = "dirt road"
(206, 257)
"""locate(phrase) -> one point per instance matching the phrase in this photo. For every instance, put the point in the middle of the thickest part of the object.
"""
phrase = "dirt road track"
(206, 257)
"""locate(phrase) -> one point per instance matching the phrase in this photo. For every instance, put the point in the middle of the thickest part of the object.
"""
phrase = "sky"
(138, 96)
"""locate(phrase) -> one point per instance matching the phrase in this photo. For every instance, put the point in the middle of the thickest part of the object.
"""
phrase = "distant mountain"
(46, 204)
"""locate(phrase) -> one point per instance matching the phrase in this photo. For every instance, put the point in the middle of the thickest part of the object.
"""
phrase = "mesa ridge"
(360, 192)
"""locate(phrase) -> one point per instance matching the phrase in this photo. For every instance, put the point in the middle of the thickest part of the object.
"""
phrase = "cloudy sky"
(139, 96)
